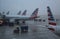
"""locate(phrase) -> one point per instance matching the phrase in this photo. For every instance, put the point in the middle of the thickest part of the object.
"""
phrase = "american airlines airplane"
(13, 18)
(33, 16)
(52, 22)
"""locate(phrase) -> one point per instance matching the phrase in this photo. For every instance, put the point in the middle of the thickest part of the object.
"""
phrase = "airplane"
(52, 25)
(11, 19)
(33, 16)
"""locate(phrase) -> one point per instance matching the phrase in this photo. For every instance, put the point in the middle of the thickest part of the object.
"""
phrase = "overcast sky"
(14, 6)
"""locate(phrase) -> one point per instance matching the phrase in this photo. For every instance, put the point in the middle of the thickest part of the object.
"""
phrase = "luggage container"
(24, 28)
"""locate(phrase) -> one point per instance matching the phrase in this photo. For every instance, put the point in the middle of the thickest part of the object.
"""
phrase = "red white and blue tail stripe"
(34, 14)
(50, 17)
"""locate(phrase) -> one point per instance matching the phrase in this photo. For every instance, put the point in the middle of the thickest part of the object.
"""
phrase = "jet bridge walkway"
(34, 32)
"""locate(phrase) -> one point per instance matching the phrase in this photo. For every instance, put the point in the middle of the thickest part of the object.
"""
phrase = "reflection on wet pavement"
(34, 32)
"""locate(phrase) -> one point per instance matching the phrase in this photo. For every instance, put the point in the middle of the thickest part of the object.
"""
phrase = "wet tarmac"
(34, 32)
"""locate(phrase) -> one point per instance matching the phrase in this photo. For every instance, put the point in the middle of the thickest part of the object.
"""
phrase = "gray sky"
(14, 6)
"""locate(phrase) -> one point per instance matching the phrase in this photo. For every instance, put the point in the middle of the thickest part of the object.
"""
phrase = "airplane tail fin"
(34, 14)
(24, 13)
(19, 13)
(51, 20)
(50, 17)
(7, 13)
